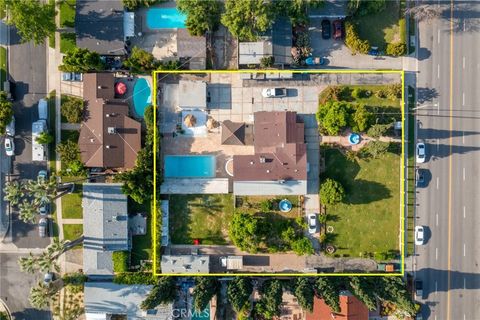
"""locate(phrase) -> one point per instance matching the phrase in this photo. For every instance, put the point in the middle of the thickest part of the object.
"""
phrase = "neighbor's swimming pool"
(165, 18)
(189, 166)
(142, 96)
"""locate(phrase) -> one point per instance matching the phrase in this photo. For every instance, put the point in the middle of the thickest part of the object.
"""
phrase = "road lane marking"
(464, 25)
(463, 137)
(438, 36)
(436, 287)
(463, 98)
(438, 182)
(463, 174)
(463, 212)
(463, 62)
(438, 144)
(438, 71)
(436, 217)
(464, 283)
(436, 253)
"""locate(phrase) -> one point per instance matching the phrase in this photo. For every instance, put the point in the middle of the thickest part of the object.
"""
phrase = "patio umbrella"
(120, 88)
(190, 120)
(211, 123)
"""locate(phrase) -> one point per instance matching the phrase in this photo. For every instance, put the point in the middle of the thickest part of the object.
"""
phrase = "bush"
(353, 41)
(72, 109)
(331, 93)
(332, 117)
(76, 278)
(302, 246)
(331, 192)
(375, 148)
(361, 119)
(378, 130)
(358, 93)
(266, 205)
(381, 93)
(134, 278)
(396, 49)
(267, 62)
(120, 261)
(394, 91)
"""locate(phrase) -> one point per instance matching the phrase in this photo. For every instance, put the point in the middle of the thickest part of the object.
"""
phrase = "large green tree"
(163, 292)
(333, 116)
(239, 291)
(27, 211)
(72, 109)
(271, 299)
(81, 60)
(328, 288)
(41, 295)
(302, 289)
(247, 19)
(205, 289)
(245, 232)
(140, 61)
(6, 112)
(202, 16)
(14, 192)
(135, 4)
(34, 19)
(331, 192)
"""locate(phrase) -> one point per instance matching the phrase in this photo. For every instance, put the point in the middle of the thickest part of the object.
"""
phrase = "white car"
(274, 92)
(421, 154)
(47, 278)
(312, 223)
(9, 146)
(419, 235)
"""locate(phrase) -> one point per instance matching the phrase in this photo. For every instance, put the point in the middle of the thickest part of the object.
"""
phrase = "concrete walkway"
(70, 126)
(72, 221)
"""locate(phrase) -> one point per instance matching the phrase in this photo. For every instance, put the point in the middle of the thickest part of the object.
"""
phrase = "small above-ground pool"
(285, 205)
(165, 18)
(354, 138)
(142, 96)
(190, 166)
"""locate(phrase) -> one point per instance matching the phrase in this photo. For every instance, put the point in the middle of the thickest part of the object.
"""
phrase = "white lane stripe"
(436, 253)
(438, 144)
(464, 25)
(463, 174)
(463, 62)
(464, 283)
(438, 182)
(463, 98)
(436, 217)
(436, 287)
(438, 36)
(463, 212)
(438, 71)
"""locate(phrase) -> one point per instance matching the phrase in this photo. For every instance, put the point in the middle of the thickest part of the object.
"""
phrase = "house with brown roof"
(350, 309)
(109, 138)
(279, 163)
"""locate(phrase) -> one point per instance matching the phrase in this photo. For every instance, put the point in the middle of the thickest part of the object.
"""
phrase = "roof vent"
(251, 162)
(111, 130)
(107, 146)
(262, 159)
(92, 140)
(107, 115)
(296, 170)
(268, 171)
(99, 87)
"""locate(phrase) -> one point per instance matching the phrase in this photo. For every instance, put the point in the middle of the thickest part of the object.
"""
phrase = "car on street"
(419, 178)
(72, 76)
(418, 289)
(337, 29)
(274, 92)
(43, 227)
(419, 235)
(48, 278)
(9, 146)
(10, 128)
(42, 175)
(421, 153)
(326, 29)
(43, 210)
(312, 223)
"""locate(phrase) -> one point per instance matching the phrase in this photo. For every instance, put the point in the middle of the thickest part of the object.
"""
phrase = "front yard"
(202, 217)
(72, 231)
(367, 222)
(254, 204)
(72, 202)
(141, 245)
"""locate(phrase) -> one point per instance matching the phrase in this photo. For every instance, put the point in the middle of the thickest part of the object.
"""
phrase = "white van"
(42, 109)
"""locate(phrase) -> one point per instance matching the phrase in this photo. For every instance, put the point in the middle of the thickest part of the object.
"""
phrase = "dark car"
(420, 178)
(337, 29)
(418, 289)
(326, 29)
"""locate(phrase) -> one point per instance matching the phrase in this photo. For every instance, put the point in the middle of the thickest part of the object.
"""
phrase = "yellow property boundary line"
(326, 71)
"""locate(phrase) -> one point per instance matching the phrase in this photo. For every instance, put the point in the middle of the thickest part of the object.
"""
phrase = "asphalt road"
(449, 123)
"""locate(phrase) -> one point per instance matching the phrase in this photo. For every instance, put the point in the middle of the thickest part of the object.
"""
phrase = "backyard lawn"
(252, 204)
(72, 202)
(72, 231)
(67, 42)
(203, 217)
(367, 221)
(67, 13)
(141, 245)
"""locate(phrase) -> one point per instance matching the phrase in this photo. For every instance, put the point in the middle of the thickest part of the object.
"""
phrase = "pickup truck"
(274, 92)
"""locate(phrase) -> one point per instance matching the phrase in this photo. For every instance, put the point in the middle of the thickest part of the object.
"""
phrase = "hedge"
(396, 49)
(353, 41)
(134, 278)
(120, 261)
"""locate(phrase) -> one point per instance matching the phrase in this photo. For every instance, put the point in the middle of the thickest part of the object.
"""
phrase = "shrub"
(332, 117)
(76, 278)
(375, 148)
(361, 119)
(120, 261)
(44, 138)
(267, 62)
(72, 109)
(353, 41)
(266, 205)
(394, 91)
(378, 130)
(381, 93)
(396, 49)
(134, 278)
(331, 93)
(302, 246)
(331, 192)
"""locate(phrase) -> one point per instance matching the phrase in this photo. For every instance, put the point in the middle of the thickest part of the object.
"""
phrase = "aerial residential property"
(239, 159)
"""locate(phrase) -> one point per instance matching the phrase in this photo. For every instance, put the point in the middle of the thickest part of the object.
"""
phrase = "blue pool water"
(190, 166)
(142, 96)
(165, 18)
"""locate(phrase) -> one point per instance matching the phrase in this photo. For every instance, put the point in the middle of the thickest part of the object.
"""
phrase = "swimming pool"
(142, 96)
(189, 166)
(165, 18)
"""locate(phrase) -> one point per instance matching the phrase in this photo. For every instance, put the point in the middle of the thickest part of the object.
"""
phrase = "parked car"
(9, 146)
(337, 29)
(48, 278)
(43, 227)
(44, 210)
(326, 29)
(274, 92)
(312, 223)
(72, 76)
(42, 175)
(418, 289)
(421, 153)
(419, 178)
(419, 235)
(10, 129)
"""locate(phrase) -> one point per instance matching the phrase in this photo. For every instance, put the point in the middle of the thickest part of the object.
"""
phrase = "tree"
(421, 12)
(246, 19)
(135, 4)
(375, 148)
(69, 152)
(333, 116)
(353, 41)
(43, 190)
(57, 247)
(394, 91)
(72, 109)
(244, 230)
(81, 60)
(365, 288)
(365, 7)
(33, 19)
(140, 61)
(396, 49)
(14, 191)
(302, 246)
(27, 211)
(41, 295)
(44, 138)
(239, 291)
(328, 288)
(267, 62)
(202, 16)
(205, 289)
(28, 264)
(47, 262)
(393, 289)
(271, 299)
(6, 112)
(303, 290)
(331, 192)
(378, 130)
(163, 292)
(361, 119)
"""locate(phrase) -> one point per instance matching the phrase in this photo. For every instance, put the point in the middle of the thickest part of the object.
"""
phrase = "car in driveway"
(326, 29)
(421, 152)
(312, 223)
(274, 92)
(10, 128)
(419, 235)
(48, 278)
(337, 29)
(9, 146)
(43, 227)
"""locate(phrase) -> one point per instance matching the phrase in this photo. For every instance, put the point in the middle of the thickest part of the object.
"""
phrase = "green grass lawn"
(141, 245)
(204, 217)
(72, 202)
(368, 219)
(72, 231)
(252, 204)
(3, 66)
(372, 100)
(67, 42)
(52, 127)
(67, 13)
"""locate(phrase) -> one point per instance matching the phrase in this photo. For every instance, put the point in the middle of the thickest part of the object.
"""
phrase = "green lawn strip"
(72, 202)
(367, 222)
(67, 13)
(72, 231)
(3, 65)
(411, 172)
(53, 211)
(368, 101)
(51, 37)
(51, 128)
(203, 217)
(141, 245)
(67, 42)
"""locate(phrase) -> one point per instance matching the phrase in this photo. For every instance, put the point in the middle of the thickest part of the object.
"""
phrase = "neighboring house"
(279, 165)
(350, 309)
(109, 138)
(192, 50)
(183, 264)
(105, 227)
(102, 26)
(110, 301)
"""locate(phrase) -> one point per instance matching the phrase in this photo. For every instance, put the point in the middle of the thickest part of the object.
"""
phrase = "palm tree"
(46, 262)
(14, 191)
(57, 247)
(41, 295)
(42, 190)
(27, 210)
(28, 264)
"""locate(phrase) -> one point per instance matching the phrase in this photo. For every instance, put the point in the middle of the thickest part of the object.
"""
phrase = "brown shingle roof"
(233, 133)
(350, 309)
(98, 146)
(280, 151)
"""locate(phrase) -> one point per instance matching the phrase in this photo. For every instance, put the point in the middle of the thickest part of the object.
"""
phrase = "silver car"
(312, 223)
(42, 227)
(9, 147)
